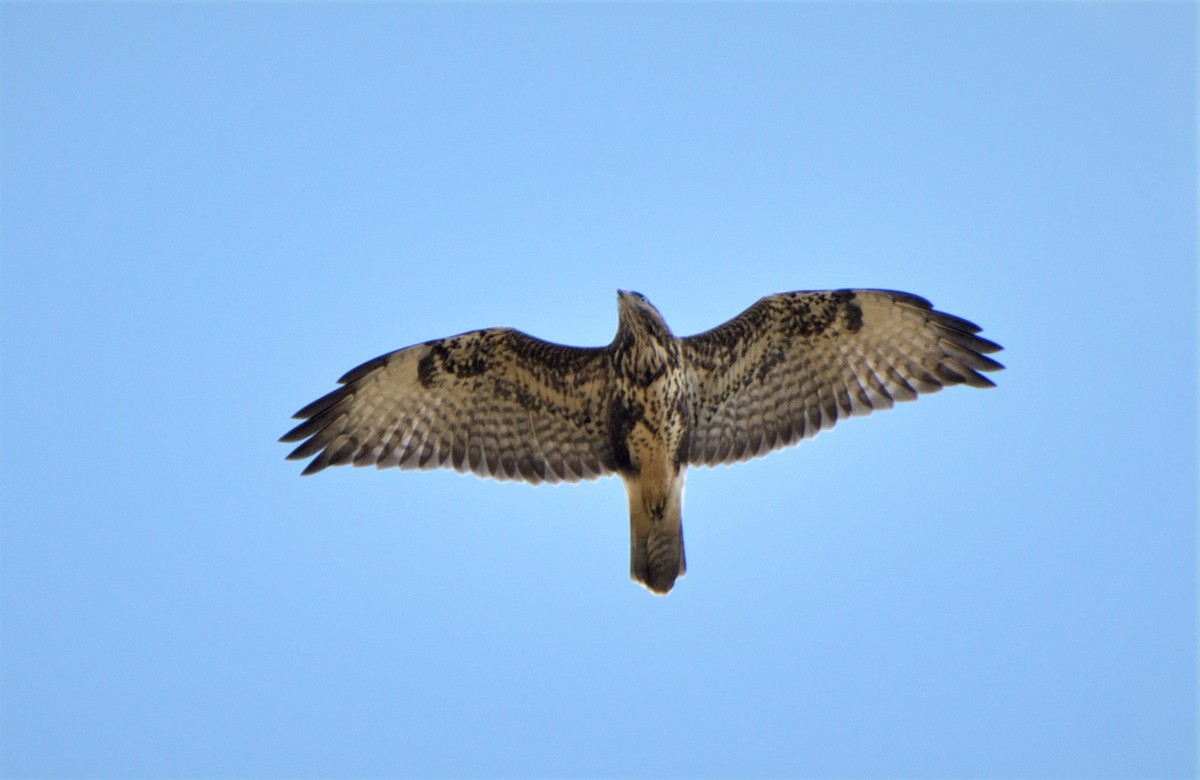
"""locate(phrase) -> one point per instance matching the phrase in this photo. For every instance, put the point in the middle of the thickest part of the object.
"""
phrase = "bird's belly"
(652, 453)
(654, 440)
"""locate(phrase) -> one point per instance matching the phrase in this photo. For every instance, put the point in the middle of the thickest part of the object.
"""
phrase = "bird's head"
(637, 316)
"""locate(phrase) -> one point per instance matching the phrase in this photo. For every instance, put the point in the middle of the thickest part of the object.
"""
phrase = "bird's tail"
(656, 556)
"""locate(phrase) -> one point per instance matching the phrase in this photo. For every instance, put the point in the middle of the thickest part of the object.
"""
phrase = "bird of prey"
(501, 403)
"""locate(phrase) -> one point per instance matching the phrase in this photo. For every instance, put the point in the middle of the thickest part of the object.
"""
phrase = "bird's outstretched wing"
(496, 402)
(795, 363)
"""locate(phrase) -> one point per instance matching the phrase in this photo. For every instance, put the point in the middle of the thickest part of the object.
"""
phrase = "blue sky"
(208, 212)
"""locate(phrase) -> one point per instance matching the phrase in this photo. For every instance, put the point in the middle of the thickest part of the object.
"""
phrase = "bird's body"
(500, 403)
(650, 424)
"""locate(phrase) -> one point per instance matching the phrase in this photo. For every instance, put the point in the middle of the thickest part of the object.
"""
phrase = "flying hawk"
(503, 404)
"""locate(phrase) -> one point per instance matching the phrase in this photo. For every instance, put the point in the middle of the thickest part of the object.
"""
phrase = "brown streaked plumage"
(504, 404)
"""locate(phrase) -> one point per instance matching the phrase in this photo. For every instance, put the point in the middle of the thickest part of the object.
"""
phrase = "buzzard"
(503, 404)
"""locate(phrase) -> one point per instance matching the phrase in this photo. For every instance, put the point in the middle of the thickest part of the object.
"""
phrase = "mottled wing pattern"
(496, 402)
(794, 364)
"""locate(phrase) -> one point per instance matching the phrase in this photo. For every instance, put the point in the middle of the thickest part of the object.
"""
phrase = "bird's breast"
(650, 424)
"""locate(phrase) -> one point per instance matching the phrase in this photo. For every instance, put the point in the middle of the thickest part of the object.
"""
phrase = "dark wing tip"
(318, 464)
(327, 401)
(295, 434)
(358, 372)
(310, 446)
(954, 322)
(904, 297)
(318, 415)
(975, 379)
(988, 364)
(986, 346)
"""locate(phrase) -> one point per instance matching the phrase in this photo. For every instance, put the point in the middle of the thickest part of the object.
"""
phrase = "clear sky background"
(209, 212)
